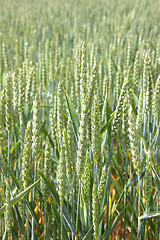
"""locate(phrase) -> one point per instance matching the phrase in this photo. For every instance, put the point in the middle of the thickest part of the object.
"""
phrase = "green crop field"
(79, 119)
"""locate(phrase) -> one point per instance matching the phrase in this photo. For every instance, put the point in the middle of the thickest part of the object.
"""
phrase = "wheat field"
(79, 120)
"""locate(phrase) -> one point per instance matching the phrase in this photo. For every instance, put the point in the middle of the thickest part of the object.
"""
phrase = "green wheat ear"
(148, 178)
(71, 145)
(81, 152)
(60, 108)
(125, 124)
(139, 114)
(95, 211)
(62, 171)
(96, 131)
(118, 112)
(47, 173)
(36, 127)
(68, 75)
(92, 85)
(77, 71)
(83, 73)
(134, 141)
(26, 155)
(4, 52)
(15, 95)
(148, 104)
(145, 75)
(156, 97)
(8, 210)
(8, 105)
(21, 101)
(1, 120)
(118, 79)
(86, 180)
(29, 86)
(68, 159)
(102, 184)
(110, 72)
(136, 71)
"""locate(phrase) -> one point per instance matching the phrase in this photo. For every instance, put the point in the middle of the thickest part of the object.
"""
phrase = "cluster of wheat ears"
(79, 119)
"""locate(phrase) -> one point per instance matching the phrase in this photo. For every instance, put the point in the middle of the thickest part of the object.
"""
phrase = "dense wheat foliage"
(79, 119)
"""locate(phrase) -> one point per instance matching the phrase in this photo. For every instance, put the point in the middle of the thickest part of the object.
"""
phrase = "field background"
(79, 119)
